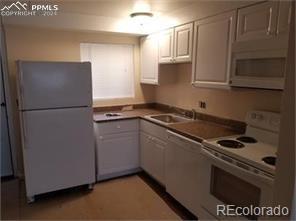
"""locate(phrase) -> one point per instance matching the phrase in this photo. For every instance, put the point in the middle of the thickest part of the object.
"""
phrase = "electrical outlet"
(202, 104)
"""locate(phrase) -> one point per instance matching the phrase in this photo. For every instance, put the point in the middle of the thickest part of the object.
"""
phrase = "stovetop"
(246, 149)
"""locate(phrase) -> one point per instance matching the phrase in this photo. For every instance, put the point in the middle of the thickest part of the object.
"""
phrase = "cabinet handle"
(101, 137)
(269, 32)
(118, 126)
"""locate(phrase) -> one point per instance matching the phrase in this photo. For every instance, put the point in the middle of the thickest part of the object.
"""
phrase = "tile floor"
(130, 197)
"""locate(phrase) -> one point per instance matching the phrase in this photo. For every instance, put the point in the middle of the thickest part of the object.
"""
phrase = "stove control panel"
(264, 120)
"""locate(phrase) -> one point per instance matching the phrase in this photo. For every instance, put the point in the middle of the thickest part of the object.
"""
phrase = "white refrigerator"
(55, 107)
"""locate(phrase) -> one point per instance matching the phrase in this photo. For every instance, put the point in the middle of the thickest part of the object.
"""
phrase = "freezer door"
(43, 85)
(58, 149)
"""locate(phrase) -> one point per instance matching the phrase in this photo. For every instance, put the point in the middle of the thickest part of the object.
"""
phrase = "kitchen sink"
(113, 114)
(168, 118)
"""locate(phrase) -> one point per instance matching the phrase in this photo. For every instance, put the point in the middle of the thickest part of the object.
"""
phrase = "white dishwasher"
(182, 170)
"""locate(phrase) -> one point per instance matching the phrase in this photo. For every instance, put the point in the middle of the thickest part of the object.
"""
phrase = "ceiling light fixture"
(149, 14)
(141, 17)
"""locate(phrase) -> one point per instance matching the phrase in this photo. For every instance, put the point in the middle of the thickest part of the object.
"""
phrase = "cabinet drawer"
(153, 129)
(118, 126)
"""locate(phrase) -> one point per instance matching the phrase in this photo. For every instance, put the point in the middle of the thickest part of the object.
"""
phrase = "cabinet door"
(166, 45)
(284, 18)
(213, 38)
(152, 156)
(183, 43)
(117, 153)
(257, 21)
(149, 59)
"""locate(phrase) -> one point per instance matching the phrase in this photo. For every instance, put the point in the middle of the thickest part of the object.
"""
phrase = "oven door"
(225, 183)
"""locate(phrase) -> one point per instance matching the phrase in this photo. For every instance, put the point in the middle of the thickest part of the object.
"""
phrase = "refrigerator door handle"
(24, 130)
(21, 93)
(21, 85)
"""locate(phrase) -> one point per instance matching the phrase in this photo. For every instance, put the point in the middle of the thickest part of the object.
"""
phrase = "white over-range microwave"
(259, 69)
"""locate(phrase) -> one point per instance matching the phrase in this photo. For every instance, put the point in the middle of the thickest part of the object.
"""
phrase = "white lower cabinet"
(117, 145)
(153, 141)
(125, 146)
(152, 156)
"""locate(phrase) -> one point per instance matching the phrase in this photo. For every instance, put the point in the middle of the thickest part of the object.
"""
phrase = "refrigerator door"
(58, 149)
(44, 85)
(6, 165)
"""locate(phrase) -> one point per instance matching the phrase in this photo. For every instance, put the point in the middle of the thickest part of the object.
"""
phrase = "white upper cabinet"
(257, 21)
(284, 18)
(183, 43)
(213, 37)
(149, 59)
(166, 46)
(175, 45)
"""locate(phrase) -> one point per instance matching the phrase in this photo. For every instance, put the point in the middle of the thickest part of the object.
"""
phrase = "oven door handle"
(208, 154)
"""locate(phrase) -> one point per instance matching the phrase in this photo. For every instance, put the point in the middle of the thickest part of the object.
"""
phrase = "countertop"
(197, 130)
(136, 113)
(200, 130)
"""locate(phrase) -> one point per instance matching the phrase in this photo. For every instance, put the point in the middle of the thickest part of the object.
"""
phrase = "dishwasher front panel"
(182, 171)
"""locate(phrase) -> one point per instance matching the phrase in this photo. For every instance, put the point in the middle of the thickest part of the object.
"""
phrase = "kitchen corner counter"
(197, 130)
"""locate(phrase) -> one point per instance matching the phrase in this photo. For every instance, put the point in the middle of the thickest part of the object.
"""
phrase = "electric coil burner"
(230, 143)
(269, 160)
(246, 139)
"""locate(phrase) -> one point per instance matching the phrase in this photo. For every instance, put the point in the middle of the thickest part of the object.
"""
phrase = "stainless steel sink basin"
(168, 118)
(113, 114)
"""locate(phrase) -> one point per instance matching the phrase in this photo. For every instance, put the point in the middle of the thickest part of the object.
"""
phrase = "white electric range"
(239, 170)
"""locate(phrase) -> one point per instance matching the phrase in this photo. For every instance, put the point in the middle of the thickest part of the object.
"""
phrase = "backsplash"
(175, 89)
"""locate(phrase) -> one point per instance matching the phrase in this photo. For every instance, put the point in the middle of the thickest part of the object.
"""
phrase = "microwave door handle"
(217, 159)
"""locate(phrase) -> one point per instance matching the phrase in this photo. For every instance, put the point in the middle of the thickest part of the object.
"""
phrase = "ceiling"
(120, 8)
(114, 15)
